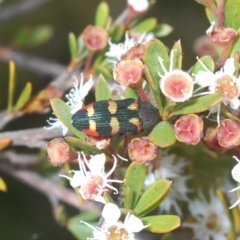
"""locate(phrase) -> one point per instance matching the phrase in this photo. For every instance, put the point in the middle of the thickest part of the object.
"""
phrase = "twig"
(32, 138)
(33, 64)
(46, 186)
(21, 8)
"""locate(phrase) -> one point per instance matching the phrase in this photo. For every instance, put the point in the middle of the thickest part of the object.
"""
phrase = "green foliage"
(102, 91)
(29, 37)
(231, 14)
(134, 180)
(102, 14)
(62, 112)
(162, 135)
(197, 105)
(23, 98)
(152, 197)
(79, 229)
(161, 224)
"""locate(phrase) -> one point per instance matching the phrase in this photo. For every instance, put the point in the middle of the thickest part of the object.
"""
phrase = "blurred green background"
(24, 213)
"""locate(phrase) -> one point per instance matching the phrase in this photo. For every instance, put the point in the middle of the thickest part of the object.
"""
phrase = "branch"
(33, 64)
(21, 8)
(32, 138)
(46, 186)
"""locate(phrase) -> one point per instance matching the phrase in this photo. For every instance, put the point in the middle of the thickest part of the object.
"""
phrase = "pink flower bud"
(188, 129)
(95, 37)
(228, 133)
(210, 140)
(59, 152)
(141, 150)
(129, 73)
(134, 52)
(223, 38)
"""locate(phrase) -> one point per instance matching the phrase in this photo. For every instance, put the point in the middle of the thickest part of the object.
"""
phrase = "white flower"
(175, 84)
(212, 221)
(94, 182)
(118, 230)
(75, 99)
(173, 170)
(116, 51)
(139, 6)
(223, 82)
(236, 177)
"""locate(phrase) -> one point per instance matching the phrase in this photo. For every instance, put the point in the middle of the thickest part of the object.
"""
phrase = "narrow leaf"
(134, 179)
(146, 25)
(11, 87)
(73, 45)
(207, 61)
(152, 197)
(162, 223)
(81, 145)
(131, 93)
(117, 32)
(102, 89)
(153, 50)
(62, 111)
(102, 14)
(24, 97)
(162, 30)
(197, 105)
(176, 52)
(80, 230)
(3, 186)
(163, 135)
(99, 69)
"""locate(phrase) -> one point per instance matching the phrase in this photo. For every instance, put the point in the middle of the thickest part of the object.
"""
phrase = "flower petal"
(133, 223)
(111, 213)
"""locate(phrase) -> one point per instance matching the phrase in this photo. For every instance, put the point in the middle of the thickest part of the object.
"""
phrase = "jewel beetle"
(115, 117)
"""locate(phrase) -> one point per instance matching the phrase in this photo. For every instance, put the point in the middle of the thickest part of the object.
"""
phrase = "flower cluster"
(93, 182)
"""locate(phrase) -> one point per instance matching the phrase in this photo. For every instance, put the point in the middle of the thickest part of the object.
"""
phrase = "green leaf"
(146, 25)
(134, 180)
(236, 46)
(153, 50)
(108, 197)
(81, 145)
(197, 105)
(102, 14)
(207, 61)
(210, 16)
(11, 86)
(73, 45)
(79, 229)
(131, 93)
(102, 89)
(231, 14)
(162, 30)
(99, 69)
(163, 135)
(161, 224)
(62, 111)
(24, 97)
(176, 52)
(30, 37)
(117, 32)
(152, 197)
